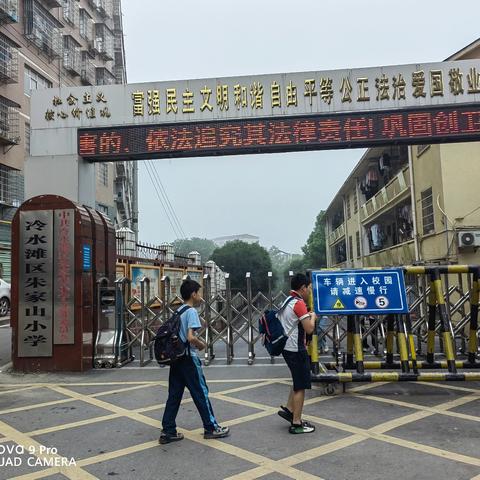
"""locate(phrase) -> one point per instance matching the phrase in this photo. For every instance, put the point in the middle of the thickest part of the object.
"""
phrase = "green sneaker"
(305, 427)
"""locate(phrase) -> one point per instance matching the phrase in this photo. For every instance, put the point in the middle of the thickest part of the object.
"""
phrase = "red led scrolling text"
(291, 132)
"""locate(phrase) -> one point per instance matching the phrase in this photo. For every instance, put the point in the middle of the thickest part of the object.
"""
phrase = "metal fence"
(230, 320)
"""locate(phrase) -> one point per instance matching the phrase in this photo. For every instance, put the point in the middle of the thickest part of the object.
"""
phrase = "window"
(33, 81)
(355, 203)
(427, 211)
(357, 239)
(27, 138)
(347, 201)
(350, 248)
(102, 208)
(103, 173)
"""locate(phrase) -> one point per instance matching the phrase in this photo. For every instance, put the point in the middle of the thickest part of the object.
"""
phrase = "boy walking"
(187, 372)
(296, 318)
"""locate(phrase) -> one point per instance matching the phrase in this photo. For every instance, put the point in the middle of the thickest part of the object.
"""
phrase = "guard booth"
(60, 251)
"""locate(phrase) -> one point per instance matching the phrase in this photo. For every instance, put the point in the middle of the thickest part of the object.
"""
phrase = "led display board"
(264, 135)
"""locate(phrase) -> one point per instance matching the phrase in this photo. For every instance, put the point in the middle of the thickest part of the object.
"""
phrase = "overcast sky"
(274, 196)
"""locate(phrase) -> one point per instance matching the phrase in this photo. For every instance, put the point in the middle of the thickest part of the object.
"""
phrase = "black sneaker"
(285, 413)
(219, 432)
(304, 427)
(170, 437)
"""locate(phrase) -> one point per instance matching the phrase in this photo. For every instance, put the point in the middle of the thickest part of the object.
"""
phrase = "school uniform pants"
(187, 372)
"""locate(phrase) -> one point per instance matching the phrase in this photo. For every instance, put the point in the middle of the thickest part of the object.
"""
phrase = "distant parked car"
(4, 298)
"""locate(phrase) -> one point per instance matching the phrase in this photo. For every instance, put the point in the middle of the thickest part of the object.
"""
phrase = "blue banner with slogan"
(358, 292)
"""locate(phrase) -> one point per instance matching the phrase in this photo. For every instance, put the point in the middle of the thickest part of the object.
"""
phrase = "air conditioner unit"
(469, 239)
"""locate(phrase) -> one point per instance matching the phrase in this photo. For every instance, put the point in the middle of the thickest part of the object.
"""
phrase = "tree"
(315, 249)
(238, 258)
(203, 246)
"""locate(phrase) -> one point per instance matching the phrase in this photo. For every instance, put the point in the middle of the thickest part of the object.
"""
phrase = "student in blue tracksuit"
(187, 372)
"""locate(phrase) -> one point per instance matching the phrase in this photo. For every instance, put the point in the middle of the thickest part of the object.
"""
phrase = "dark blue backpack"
(274, 336)
(168, 346)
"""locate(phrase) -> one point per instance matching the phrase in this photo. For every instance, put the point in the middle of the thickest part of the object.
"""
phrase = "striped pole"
(474, 300)
(444, 322)
(350, 335)
(402, 344)
(411, 342)
(358, 346)
(390, 337)
(432, 309)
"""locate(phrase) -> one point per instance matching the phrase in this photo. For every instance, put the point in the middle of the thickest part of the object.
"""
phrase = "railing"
(337, 234)
(392, 192)
(402, 254)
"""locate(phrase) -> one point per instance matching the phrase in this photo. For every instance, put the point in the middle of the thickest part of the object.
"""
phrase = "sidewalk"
(108, 423)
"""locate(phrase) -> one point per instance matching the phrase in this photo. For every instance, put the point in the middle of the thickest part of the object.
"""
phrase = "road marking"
(264, 465)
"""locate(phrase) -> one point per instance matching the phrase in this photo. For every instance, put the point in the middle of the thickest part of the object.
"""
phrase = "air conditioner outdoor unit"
(470, 238)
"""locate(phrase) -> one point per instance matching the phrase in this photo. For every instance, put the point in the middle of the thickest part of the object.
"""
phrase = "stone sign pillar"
(59, 250)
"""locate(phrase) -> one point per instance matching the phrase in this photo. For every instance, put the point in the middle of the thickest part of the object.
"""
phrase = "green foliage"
(238, 258)
(203, 246)
(315, 249)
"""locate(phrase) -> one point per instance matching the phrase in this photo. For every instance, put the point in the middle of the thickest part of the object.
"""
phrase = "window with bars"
(8, 61)
(350, 248)
(357, 240)
(428, 218)
(71, 55)
(11, 186)
(86, 25)
(42, 28)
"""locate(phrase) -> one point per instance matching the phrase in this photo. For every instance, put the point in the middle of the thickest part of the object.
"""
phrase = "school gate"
(74, 127)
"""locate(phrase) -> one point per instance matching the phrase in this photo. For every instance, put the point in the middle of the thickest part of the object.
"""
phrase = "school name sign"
(278, 112)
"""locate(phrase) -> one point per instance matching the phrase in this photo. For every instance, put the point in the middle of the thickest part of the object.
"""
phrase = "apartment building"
(51, 43)
(402, 205)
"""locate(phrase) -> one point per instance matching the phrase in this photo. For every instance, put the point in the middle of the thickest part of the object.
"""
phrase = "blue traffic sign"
(358, 292)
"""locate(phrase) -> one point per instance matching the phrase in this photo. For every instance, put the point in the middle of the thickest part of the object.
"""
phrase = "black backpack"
(274, 336)
(168, 346)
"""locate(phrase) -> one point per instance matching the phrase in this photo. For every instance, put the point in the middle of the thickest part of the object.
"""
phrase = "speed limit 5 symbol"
(381, 302)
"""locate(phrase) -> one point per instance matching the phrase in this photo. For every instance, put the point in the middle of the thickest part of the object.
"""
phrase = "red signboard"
(427, 125)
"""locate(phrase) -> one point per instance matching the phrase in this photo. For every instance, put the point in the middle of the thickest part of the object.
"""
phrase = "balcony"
(71, 61)
(337, 234)
(88, 73)
(9, 122)
(8, 61)
(394, 192)
(71, 12)
(104, 76)
(42, 29)
(103, 43)
(402, 254)
(103, 7)
(8, 11)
